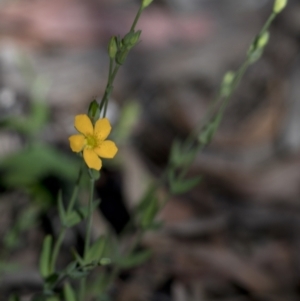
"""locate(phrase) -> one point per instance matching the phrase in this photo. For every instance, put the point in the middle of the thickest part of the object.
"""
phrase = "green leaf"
(33, 123)
(61, 209)
(76, 216)
(76, 274)
(69, 293)
(135, 259)
(147, 198)
(45, 257)
(181, 157)
(148, 207)
(209, 130)
(184, 185)
(149, 213)
(28, 166)
(111, 250)
(96, 250)
(78, 258)
(71, 267)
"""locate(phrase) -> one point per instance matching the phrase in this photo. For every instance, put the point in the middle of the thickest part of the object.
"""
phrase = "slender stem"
(113, 70)
(111, 65)
(90, 219)
(268, 22)
(109, 87)
(56, 248)
(136, 18)
(82, 289)
(75, 190)
(63, 229)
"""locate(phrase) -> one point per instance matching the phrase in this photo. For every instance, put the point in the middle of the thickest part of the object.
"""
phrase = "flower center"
(91, 141)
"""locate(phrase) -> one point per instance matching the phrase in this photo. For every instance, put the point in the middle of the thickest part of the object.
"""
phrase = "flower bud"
(146, 3)
(112, 47)
(257, 47)
(93, 111)
(228, 78)
(279, 5)
(127, 38)
(121, 56)
(263, 40)
(226, 86)
(135, 38)
(131, 39)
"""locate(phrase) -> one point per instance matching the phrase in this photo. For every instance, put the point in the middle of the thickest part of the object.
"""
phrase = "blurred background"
(236, 236)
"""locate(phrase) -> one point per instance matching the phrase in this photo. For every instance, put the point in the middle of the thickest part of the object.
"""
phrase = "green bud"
(227, 83)
(228, 78)
(256, 49)
(121, 56)
(279, 5)
(146, 3)
(93, 111)
(131, 39)
(112, 47)
(263, 40)
(135, 38)
(127, 38)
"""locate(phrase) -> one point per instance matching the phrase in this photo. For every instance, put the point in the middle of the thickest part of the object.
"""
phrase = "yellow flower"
(92, 141)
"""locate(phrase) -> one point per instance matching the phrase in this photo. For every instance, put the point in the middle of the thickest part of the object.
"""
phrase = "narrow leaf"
(135, 259)
(69, 293)
(182, 186)
(79, 214)
(78, 257)
(96, 251)
(45, 257)
(61, 209)
(149, 213)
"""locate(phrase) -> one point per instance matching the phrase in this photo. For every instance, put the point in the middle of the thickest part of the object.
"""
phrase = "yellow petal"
(91, 159)
(77, 143)
(83, 124)
(102, 128)
(107, 149)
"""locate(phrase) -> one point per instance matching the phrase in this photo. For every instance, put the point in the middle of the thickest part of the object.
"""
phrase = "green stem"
(136, 19)
(82, 289)
(108, 90)
(268, 22)
(90, 219)
(195, 133)
(63, 229)
(114, 70)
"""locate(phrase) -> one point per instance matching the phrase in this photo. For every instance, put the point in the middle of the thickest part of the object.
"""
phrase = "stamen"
(92, 141)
